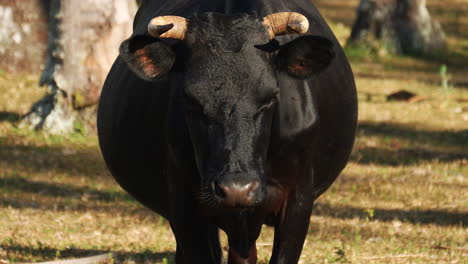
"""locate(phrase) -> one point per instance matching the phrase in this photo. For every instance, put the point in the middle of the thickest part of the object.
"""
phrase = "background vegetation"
(402, 199)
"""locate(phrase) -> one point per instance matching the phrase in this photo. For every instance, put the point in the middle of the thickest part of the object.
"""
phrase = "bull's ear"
(148, 57)
(306, 56)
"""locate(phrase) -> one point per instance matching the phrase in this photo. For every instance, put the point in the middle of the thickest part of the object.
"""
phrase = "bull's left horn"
(286, 23)
(174, 27)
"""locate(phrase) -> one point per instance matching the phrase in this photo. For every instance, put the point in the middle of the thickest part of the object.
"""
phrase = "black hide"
(227, 128)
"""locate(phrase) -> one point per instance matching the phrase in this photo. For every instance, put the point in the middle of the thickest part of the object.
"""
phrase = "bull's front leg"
(291, 228)
(197, 240)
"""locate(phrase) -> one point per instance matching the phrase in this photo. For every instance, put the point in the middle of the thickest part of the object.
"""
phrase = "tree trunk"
(23, 35)
(83, 43)
(404, 26)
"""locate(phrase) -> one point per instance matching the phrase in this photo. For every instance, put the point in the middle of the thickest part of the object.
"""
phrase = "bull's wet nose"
(236, 194)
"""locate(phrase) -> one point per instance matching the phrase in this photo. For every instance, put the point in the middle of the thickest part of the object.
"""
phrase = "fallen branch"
(89, 260)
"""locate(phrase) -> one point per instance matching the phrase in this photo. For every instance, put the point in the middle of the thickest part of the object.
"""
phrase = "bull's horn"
(173, 27)
(286, 23)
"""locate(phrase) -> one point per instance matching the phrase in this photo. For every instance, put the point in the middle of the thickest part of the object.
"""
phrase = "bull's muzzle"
(235, 191)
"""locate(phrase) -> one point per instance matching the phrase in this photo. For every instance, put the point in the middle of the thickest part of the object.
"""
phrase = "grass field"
(402, 199)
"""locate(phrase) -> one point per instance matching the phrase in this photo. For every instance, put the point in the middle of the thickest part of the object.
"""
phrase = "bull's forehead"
(225, 69)
(225, 32)
(242, 90)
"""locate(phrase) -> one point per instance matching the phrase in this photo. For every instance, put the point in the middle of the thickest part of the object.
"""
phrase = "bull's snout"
(237, 193)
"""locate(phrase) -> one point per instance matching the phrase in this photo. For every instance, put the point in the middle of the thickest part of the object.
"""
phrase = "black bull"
(229, 128)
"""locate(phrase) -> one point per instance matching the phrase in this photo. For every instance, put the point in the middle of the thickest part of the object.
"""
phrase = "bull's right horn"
(174, 27)
(286, 23)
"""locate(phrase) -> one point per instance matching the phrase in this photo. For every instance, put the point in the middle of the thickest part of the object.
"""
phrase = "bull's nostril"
(236, 194)
(218, 191)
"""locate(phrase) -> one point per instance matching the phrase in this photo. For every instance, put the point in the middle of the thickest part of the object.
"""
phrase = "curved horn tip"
(299, 26)
(157, 30)
(286, 23)
(168, 27)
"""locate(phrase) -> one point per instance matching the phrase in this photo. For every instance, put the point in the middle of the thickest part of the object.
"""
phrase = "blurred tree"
(83, 40)
(23, 35)
(404, 26)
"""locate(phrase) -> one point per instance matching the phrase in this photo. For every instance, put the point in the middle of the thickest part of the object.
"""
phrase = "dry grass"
(402, 199)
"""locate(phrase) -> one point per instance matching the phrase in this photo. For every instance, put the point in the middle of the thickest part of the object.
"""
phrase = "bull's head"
(230, 66)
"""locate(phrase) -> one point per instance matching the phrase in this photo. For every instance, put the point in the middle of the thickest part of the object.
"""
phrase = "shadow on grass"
(40, 252)
(444, 138)
(87, 162)
(18, 183)
(77, 205)
(18, 161)
(39, 195)
(422, 146)
(434, 217)
(9, 117)
(403, 156)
